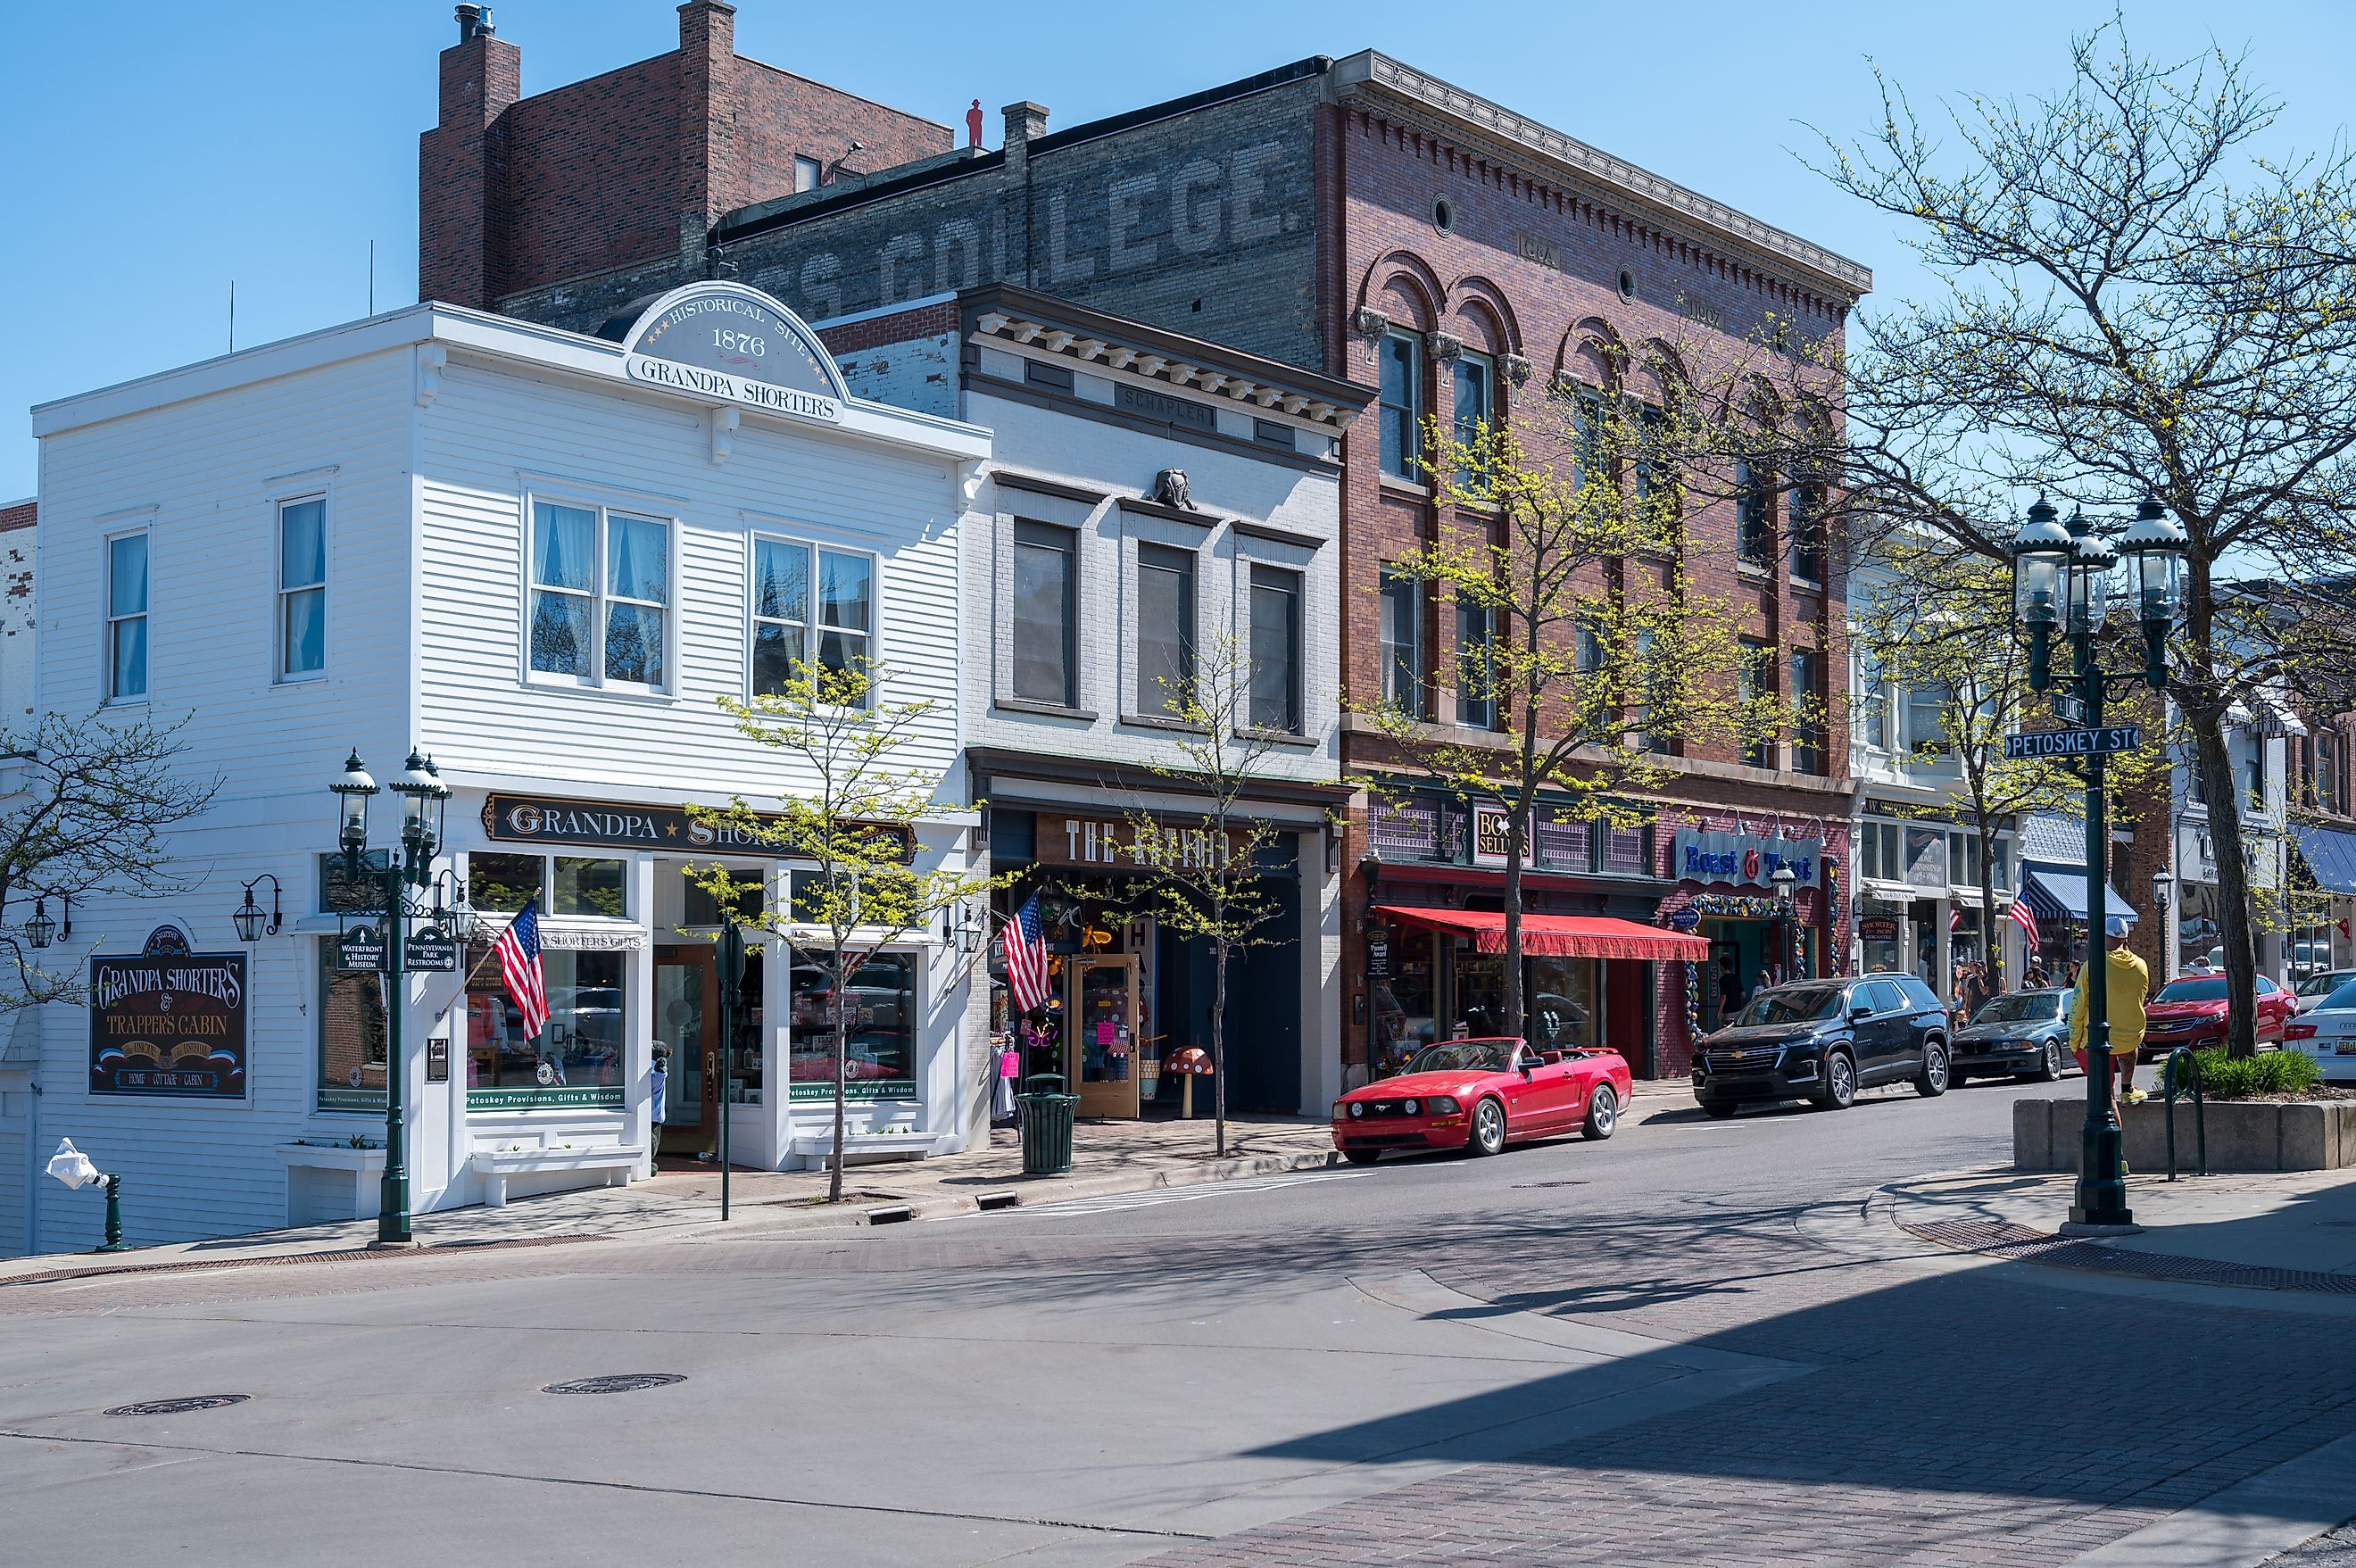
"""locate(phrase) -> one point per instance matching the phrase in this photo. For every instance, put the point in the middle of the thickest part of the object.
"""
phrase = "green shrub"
(2247, 1078)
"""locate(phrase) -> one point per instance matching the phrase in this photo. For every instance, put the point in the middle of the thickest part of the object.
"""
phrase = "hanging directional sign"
(362, 948)
(2097, 742)
(430, 952)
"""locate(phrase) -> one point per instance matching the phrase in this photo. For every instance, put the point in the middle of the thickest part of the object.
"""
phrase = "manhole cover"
(619, 1383)
(174, 1407)
(1523, 1185)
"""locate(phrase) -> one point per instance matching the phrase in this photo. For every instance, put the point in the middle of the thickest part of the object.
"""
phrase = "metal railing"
(2172, 1086)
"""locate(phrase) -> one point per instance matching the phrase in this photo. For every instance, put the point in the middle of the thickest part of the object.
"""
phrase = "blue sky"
(151, 152)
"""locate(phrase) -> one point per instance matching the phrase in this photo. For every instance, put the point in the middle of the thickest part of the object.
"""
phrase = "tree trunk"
(842, 1058)
(1991, 950)
(1219, 1045)
(2218, 783)
(1514, 851)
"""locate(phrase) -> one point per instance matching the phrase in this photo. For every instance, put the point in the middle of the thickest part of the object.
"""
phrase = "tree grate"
(615, 1383)
(176, 1407)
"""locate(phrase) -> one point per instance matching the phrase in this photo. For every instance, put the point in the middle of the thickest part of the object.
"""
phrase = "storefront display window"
(701, 908)
(351, 1038)
(1403, 1020)
(2198, 932)
(594, 887)
(880, 1008)
(500, 883)
(576, 1059)
(1564, 1002)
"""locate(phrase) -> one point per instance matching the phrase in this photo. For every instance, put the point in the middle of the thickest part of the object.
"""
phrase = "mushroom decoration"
(1194, 1063)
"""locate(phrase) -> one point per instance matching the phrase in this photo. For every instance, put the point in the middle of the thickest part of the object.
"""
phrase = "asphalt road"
(1680, 1347)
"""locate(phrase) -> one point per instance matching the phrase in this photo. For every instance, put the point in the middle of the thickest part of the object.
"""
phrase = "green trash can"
(1047, 1125)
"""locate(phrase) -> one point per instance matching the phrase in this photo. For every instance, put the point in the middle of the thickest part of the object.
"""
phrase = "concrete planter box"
(2243, 1136)
(325, 1183)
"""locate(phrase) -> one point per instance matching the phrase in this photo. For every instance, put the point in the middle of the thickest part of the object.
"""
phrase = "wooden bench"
(495, 1165)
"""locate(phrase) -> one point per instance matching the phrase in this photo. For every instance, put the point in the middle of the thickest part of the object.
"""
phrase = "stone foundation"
(2243, 1136)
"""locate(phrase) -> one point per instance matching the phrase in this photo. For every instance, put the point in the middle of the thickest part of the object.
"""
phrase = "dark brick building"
(1327, 213)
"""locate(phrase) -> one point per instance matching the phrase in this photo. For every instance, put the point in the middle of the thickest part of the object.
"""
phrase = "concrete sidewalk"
(1106, 1157)
(2299, 1222)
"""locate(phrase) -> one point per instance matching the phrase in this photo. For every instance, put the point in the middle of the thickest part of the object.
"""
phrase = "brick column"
(710, 182)
(462, 175)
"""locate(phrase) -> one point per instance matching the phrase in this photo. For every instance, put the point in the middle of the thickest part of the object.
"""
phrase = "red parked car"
(1480, 1095)
(2190, 1011)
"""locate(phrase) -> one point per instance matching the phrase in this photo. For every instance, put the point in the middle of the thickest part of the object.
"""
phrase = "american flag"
(1026, 958)
(518, 950)
(2021, 915)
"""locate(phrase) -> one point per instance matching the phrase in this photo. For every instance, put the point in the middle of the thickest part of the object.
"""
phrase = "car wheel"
(1488, 1129)
(1840, 1083)
(1362, 1156)
(1931, 1081)
(1721, 1111)
(2049, 1068)
(1602, 1113)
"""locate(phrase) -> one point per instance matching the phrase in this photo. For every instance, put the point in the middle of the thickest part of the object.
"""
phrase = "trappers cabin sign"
(725, 341)
(168, 1021)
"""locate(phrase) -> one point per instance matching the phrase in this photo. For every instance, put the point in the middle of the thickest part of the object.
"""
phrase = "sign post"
(732, 980)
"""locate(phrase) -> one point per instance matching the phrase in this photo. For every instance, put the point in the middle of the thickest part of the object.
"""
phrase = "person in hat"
(2128, 982)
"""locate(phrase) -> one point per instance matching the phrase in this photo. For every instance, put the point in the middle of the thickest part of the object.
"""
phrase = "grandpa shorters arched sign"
(735, 344)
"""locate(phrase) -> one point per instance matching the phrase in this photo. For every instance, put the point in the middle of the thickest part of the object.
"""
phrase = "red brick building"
(1341, 215)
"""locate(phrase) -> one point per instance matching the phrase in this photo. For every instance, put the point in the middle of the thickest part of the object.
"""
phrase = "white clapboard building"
(538, 557)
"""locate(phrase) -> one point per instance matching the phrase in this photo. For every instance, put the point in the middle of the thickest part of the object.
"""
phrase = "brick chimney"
(1026, 123)
(462, 168)
(711, 174)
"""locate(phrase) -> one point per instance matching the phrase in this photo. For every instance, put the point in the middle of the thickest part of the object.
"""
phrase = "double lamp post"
(2062, 583)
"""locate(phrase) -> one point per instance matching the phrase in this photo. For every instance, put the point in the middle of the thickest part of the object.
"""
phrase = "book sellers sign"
(1744, 861)
(725, 341)
(168, 1021)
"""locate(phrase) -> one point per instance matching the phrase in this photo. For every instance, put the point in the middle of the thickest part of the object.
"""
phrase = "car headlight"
(1358, 1108)
(1443, 1105)
(1410, 1106)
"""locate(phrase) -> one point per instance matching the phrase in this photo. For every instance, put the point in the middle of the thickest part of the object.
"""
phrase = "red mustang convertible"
(1481, 1095)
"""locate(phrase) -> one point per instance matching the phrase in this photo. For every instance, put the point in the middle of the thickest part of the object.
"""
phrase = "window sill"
(1179, 726)
(1406, 489)
(541, 682)
(1275, 737)
(313, 678)
(1044, 710)
(1754, 571)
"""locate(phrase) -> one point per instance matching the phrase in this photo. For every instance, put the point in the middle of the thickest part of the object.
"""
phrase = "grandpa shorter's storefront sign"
(1744, 861)
(168, 1021)
(548, 819)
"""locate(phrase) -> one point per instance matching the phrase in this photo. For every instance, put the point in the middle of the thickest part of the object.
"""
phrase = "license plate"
(2344, 1048)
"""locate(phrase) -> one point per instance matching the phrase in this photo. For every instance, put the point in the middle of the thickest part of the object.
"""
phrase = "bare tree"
(91, 803)
(855, 830)
(2136, 300)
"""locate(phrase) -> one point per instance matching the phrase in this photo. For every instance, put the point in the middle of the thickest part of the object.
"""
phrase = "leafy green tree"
(850, 812)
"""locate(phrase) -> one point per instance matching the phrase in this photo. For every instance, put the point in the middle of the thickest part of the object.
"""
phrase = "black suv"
(1824, 1040)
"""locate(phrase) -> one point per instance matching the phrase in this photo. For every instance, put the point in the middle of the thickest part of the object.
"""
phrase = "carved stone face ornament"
(1169, 490)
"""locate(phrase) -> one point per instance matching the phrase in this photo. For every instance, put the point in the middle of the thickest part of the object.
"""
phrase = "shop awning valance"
(1554, 936)
(2330, 855)
(2061, 896)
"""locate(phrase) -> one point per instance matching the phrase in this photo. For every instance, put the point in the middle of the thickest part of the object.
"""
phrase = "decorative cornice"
(1453, 107)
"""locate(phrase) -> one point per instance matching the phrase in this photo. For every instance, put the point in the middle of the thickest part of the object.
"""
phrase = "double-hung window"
(1804, 528)
(1754, 678)
(1402, 405)
(1402, 642)
(1754, 515)
(301, 588)
(1476, 666)
(126, 618)
(1046, 591)
(1807, 695)
(1275, 649)
(807, 599)
(1473, 380)
(600, 596)
(1165, 631)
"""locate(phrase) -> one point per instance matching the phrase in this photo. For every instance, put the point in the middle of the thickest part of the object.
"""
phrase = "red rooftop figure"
(973, 124)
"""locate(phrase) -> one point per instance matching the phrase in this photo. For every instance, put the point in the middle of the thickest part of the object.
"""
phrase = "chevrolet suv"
(1823, 1040)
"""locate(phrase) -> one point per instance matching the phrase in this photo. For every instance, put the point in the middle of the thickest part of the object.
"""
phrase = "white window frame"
(812, 626)
(598, 595)
(108, 618)
(280, 674)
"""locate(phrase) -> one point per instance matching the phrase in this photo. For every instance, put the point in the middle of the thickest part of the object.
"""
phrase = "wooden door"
(1101, 1051)
(687, 1021)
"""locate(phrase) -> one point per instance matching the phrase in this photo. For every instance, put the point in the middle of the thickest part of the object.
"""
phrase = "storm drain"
(615, 1383)
(174, 1407)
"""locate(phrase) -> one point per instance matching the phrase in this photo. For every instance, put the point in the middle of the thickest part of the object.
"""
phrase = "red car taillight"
(2299, 1032)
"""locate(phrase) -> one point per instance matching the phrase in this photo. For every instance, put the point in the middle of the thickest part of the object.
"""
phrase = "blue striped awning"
(2061, 896)
(2330, 855)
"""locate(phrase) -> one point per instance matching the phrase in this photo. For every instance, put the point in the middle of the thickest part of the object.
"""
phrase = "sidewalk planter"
(615, 1163)
(330, 1182)
(814, 1151)
(2243, 1136)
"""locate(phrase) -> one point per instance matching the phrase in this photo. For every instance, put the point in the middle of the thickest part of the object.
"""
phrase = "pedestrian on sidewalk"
(2128, 982)
(658, 1087)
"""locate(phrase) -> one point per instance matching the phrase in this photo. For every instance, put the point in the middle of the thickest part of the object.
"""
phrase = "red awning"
(1555, 936)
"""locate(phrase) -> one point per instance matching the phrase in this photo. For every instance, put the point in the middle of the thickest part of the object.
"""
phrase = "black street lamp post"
(2062, 582)
(423, 797)
(1787, 911)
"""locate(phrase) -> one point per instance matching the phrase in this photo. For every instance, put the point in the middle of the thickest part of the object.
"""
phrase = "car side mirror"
(1859, 1013)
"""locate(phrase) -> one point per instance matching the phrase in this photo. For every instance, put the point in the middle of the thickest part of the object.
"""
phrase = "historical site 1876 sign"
(168, 1021)
(726, 341)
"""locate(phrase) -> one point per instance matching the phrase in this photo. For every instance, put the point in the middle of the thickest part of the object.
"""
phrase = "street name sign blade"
(2100, 742)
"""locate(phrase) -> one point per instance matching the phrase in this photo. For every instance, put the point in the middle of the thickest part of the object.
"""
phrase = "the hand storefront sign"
(168, 1022)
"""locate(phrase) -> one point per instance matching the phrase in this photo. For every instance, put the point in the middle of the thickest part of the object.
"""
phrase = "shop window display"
(351, 1038)
(581, 1047)
(880, 1008)
(1403, 1020)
